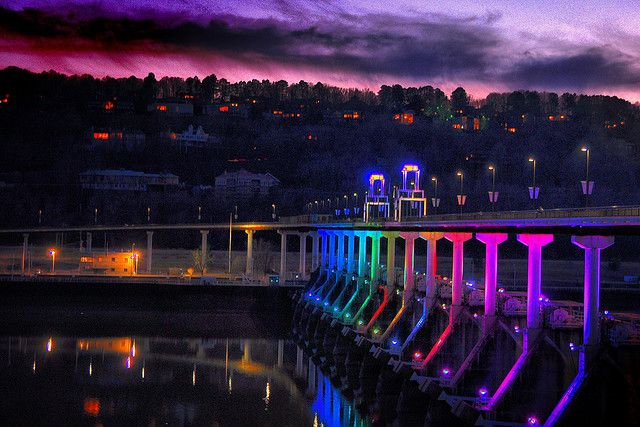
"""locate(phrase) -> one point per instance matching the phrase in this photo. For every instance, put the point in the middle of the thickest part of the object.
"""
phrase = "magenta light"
(516, 329)
(417, 355)
(446, 372)
(501, 290)
(532, 421)
(475, 315)
(483, 391)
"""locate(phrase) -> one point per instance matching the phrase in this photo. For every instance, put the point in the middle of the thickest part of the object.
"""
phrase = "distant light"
(516, 329)
(347, 315)
(394, 342)
(49, 344)
(572, 346)
(501, 290)
(606, 312)
(360, 322)
(417, 355)
(446, 372)
(483, 391)
(531, 159)
(475, 315)
(335, 308)
(310, 294)
(326, 303)
(317, 298)
(584, 149)
(532, 421)
(376, 331)
(444, 306)
(128, 363)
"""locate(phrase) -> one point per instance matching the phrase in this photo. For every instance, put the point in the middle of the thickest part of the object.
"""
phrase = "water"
(137, 380)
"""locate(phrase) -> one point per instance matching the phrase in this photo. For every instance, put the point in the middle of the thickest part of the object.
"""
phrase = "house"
(469, 123)
(171, 107)
(116, 139)
(111, 263)
(191, 137)
(231, 109)
(405, 117)
(126, 180)
(244, 184)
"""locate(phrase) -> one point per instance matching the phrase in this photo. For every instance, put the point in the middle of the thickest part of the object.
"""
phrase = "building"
(191, 137)
(469, 123)
(126, 180)
(171, 107)
(244, 184)
(232, 109)
(405, 117)
(111, 263)
(116, 139)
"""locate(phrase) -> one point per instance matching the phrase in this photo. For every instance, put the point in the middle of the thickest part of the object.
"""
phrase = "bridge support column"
(592, 246)
(315, 240)
(249, 266)
(332, 249)
(491, 241)
(149, 254)
(323, 249)
(303, 254)
(430, 274)
(391, 258)
(409, 265)
(203, 250)
(340, 254)
(351, 249)
(362, 252)
(89, 248)
(25, 249)
(458, 240)
(375, 256)
(535, 243)
(283, 256)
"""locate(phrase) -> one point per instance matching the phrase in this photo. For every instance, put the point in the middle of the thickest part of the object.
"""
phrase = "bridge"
(471, 353)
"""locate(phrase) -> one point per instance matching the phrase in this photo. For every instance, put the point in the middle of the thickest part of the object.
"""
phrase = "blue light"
(394, 342)
(326, 303)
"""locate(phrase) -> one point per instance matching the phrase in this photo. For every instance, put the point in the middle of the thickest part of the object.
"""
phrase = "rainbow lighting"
(376, 202)
(409, 201)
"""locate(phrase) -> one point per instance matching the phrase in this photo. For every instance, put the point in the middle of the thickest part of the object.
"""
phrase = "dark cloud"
(592, 68)
(435, 47)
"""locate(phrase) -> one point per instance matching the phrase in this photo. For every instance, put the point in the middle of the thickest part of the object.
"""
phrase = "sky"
(584, 46)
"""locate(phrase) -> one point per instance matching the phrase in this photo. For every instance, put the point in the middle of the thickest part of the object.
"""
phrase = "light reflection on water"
(152, 381)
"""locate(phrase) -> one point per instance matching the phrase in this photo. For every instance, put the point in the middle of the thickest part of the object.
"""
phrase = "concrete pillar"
(340, 254)
(457, 291)
(535, 242)
(302, 265)
(409, 264)
(314, 250)
(25, 248)
(203, 249)
(351, 249)
(391, 257)
(323, 249)
(149, 251)
(249, 267)
(375, 256)
(89, 243)
(430, 271)
(491, 241)
(332, 249)
(280, 353)
(362, 252)
(592, 246)
(283, 256)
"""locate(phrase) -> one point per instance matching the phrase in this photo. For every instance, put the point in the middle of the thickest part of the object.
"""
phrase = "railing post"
(314, 250)
(249, 266)
(203, 250)
(283, 256)
(303, 254)
(491, 241)
(458, 240)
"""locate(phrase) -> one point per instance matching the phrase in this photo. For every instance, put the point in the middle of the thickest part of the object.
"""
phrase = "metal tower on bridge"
(409, 200)
(376, 202)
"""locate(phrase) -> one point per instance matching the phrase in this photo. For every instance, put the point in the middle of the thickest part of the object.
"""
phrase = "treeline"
(31, 89)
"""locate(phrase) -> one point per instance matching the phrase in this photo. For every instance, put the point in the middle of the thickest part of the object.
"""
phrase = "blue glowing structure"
(376, 202)
(409, 201)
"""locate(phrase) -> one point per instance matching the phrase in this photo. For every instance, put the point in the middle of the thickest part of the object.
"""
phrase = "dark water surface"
(204, 365)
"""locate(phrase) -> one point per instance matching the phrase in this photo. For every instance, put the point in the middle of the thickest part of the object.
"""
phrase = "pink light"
(532, 421)
(417, 355)
(128, 362)
(483, 391)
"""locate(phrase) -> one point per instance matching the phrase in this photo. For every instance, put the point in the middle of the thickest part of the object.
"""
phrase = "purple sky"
(584, 46)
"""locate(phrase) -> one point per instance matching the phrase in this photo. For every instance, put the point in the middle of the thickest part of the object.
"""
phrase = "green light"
(376, 331)
(347, 315)
(360, 322)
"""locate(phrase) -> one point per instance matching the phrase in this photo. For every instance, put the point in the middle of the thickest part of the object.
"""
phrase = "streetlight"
(52, 253)
(39, 216)
(199, 213)
(493, 196)
(355, 208)
(148, 214)
(533, 190)
(461, 197)
(435, 201)
(95, 216)
(587, 186)
(346, 204)
(273, 211)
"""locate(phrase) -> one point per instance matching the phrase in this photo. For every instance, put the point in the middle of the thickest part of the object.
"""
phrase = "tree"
(459, 99)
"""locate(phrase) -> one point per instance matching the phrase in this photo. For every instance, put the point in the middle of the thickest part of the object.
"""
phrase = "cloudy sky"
(588, 46)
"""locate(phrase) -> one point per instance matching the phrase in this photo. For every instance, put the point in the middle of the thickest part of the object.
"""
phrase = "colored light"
(317, 298)
(128, 363)
(446, 372)
(606, 312)
(335, 308)
(417, 355)
(501, 290)
(360, 322)
(310, 294)
(516, 329)
(572, 346)
(376, 331)
(483, 391)
(394, 342)
(326, 303)
(532, 421)
(475, 315)
(347, 315)
(444, 306)
(49, 344)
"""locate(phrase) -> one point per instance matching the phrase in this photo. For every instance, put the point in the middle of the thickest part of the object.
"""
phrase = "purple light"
(606, 312)
(501, 290)
(446, 372)
(483, 391)
(532, 421)
(572, 346)
(516, 329)
(475, 315)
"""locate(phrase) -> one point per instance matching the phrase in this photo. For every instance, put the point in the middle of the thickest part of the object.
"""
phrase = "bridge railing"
(591, 212)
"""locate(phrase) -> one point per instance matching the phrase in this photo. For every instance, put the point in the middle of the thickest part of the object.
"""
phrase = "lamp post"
(493, 196)
(355, 208)
(461, 197)
(435, 201)
(273, 211)
(199, 213)
(533, 190)
(95, 216)
(148, 214)
(39, 216)
(346, 204)
(587, 186)
(52, 252)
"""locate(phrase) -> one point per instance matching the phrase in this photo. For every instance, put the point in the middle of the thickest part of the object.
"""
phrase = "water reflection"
(152, 381)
